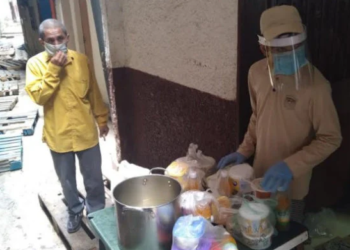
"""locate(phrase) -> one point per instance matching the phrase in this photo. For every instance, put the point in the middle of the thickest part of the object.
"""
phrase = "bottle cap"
(223, 173)
(193, 174)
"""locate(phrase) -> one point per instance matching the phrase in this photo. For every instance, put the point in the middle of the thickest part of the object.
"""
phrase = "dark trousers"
(90, 167)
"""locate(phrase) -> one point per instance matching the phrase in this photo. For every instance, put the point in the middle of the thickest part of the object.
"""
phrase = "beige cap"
(279, 20)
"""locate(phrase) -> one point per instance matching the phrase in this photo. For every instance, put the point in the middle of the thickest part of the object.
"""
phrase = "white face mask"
(53, 49)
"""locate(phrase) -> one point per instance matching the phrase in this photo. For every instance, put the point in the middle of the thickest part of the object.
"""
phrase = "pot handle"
(157, 168)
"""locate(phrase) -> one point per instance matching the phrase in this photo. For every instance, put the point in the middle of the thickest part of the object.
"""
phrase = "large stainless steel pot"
(147, 208)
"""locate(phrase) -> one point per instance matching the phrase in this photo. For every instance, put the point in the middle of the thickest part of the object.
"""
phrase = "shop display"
(234, 200)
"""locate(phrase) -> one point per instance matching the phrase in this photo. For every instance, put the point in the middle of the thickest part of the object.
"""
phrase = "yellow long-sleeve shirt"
(300, 127)
(71, 98)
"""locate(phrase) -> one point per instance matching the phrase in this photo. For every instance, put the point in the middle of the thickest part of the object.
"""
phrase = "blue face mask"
(287, 63)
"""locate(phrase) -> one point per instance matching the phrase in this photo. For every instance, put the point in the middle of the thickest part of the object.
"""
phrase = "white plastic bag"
(199, 160)
(220, 184)
(321, 224)
(195, 160)
(228, 208)
(198, 203)
(196, 233)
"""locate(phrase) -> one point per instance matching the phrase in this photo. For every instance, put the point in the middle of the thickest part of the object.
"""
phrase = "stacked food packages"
(231, 198)
(196, 233)
(191, 170)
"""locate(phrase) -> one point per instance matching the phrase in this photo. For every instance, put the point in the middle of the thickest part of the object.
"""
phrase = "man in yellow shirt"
(62, 81)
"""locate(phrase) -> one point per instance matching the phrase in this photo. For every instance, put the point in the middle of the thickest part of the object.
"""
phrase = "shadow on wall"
(158, 119)
(330, 182)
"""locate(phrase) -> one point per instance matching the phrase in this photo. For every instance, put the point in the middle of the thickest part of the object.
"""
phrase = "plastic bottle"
(283, 210)
(224, 185)
(204, 209)
(193, 181)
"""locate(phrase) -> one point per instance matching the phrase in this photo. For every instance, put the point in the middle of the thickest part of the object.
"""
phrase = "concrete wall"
(100, 77)
(69, 13)
(174, 66)
(192, 43)
(64, 14)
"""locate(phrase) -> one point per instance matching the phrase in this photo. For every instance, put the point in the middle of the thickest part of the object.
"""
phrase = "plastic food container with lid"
(258, 242)
(259, 192)
(241, 175)
(253, 218)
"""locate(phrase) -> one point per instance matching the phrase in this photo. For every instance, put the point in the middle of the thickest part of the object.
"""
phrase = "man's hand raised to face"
(59, 59)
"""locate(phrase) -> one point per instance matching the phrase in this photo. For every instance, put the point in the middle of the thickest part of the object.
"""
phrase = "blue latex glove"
(233, 158)
(278, 177)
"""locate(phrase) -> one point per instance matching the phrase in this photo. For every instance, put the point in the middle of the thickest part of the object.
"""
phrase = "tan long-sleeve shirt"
(300, 127)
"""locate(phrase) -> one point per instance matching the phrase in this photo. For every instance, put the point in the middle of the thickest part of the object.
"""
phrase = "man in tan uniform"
(294, 125)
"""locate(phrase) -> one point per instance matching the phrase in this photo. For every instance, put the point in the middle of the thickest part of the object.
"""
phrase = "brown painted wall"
(330, 184)
(158, 119)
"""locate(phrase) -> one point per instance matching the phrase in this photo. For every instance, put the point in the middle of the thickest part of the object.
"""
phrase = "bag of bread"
(194, 160)
(220, 184)
(199, 203)
(227, 208)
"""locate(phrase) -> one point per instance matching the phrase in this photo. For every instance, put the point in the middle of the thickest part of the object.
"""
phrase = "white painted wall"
(100, 77)
(116, 31)
(77, 29)
(64, 14)
(68, 12)
(193, 43)
(5, 10)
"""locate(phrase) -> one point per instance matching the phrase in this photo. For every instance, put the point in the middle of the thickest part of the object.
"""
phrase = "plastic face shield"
(288, 61)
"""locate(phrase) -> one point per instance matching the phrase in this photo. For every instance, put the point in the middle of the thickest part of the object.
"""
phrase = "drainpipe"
(53, 9)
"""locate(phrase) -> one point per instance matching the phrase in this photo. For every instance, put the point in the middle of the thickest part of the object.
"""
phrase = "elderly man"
(62, 81)
(294, 125)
